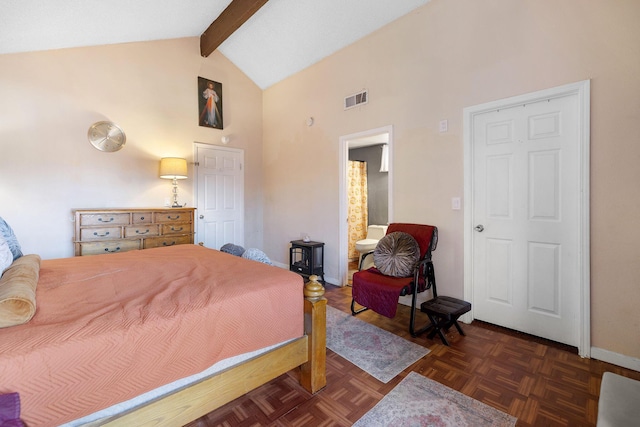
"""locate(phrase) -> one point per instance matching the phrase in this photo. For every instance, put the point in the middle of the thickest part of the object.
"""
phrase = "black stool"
(443, 313)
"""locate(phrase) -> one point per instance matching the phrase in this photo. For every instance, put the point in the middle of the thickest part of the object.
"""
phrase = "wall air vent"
(356, 99)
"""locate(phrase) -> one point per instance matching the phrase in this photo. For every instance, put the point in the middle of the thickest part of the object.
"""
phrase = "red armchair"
(374, 290)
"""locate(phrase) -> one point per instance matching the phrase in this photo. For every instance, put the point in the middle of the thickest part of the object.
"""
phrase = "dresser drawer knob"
(173, 218)
(168, 244)
(177, 229)
(95, 233)
(109, 220)
(142, 232)
(112, 251)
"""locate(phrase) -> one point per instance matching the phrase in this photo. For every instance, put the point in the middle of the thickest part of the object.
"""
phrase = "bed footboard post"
(313, 373)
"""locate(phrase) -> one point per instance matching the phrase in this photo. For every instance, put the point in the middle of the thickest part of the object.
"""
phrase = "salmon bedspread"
(110, 327)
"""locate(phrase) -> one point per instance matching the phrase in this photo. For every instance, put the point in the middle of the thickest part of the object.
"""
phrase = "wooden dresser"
(100, 231)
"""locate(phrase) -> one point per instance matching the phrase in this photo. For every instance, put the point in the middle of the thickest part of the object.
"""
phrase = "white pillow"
(6, 257)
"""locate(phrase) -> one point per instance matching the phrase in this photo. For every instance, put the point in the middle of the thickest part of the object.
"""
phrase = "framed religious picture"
(210, 103)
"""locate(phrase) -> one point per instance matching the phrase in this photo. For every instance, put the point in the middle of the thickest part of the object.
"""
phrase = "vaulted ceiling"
(281, 38)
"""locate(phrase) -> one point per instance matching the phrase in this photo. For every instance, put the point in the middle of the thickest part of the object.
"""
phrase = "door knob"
(479, 228)
(201, 217)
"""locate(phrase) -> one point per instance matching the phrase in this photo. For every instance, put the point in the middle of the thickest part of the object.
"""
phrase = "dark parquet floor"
(540, 382)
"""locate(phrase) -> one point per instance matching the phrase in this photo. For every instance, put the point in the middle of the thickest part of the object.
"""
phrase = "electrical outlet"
(443, 126)
(167, 202)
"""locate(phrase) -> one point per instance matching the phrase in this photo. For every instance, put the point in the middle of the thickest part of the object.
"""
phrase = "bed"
(145, 337)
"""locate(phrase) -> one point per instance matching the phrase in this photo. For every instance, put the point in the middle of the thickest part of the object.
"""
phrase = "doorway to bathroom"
(365, 190)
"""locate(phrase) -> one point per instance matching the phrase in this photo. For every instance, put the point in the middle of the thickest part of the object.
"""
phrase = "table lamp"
(173, 168)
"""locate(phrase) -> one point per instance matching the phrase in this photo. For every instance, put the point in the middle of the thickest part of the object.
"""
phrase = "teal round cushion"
(396, 254)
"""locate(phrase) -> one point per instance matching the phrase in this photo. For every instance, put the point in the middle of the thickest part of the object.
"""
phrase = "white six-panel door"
(527, 217)
(220, 195)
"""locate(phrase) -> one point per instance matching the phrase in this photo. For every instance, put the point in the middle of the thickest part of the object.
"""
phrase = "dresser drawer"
(97, 248)
(173, 216)
(104, 219)
(177, 228)
(100, 233)
(155, 242)
(142, 218)
(141, 230)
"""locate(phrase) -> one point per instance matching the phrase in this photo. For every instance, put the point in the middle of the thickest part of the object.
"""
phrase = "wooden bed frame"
(190, 403)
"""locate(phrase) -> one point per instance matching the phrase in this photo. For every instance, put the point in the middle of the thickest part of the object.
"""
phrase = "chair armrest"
(364, 255)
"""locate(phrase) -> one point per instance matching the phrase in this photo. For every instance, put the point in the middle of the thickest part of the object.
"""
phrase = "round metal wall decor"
(106, 136)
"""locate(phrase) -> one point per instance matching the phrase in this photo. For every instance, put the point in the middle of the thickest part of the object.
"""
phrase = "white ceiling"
(282, 38)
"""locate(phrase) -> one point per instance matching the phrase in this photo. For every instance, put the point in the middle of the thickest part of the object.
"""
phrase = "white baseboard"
(615, 358)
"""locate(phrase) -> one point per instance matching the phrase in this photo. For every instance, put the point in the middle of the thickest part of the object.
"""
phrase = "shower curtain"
(358, 211)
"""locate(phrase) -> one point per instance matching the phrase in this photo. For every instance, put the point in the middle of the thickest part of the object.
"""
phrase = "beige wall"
(428, 66)
(425, 67)
(48, 100)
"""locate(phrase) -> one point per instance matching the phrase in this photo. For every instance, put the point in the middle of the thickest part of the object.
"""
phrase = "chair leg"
(415, 333)
(438, 324)
(437, 329)
(457, 325)
(412, 326)
(412, 322)
(353, 308)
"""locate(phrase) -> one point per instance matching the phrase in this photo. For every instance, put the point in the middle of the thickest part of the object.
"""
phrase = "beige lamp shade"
(173, 168)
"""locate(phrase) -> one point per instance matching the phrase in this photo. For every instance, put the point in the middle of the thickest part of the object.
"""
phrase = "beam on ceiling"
(236, 14)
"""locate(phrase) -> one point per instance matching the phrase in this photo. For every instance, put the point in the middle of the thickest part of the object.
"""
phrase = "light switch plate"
(455, 203)
(443, 126)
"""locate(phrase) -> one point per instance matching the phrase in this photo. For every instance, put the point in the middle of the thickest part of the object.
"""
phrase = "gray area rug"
(381, 354)
(419, 401)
